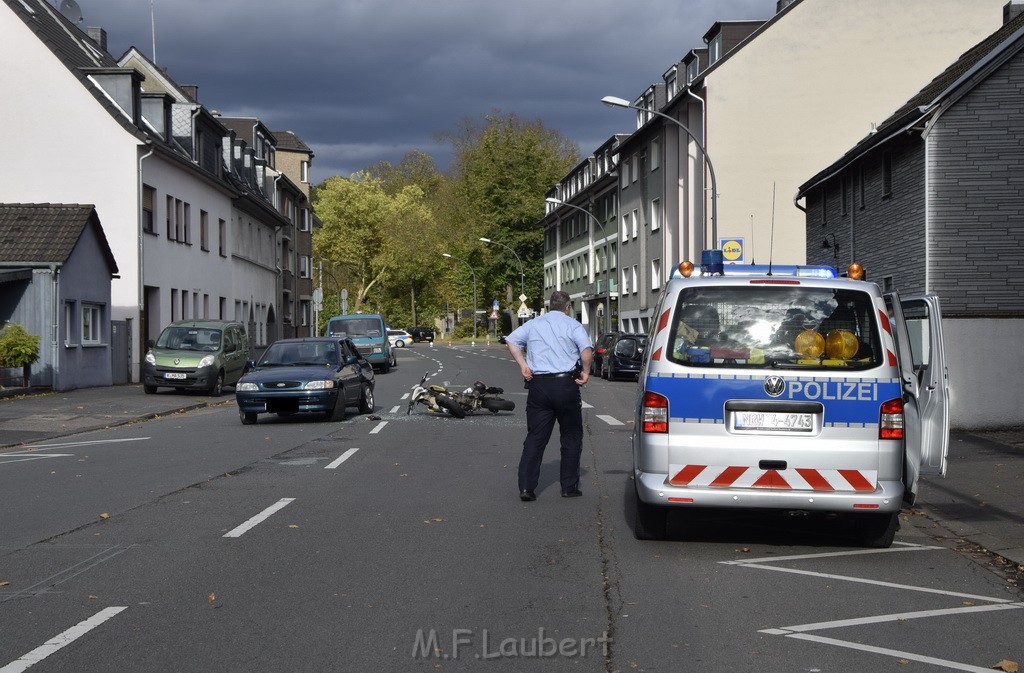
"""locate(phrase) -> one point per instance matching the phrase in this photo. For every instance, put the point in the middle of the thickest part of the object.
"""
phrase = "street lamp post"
(522, 272)
(445, 254)
(607, 259)
(614, 101)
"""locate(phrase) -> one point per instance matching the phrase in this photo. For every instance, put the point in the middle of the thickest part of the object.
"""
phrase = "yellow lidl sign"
(732, 250)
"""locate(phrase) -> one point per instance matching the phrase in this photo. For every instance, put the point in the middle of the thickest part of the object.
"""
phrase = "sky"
(364, 81)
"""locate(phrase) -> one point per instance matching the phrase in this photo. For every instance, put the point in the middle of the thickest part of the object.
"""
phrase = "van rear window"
(796, 327)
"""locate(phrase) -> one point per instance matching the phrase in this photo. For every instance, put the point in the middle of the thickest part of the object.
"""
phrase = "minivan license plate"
(758, 420)
(174, 375)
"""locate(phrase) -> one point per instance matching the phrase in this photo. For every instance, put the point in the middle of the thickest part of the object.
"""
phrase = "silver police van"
(788, 388)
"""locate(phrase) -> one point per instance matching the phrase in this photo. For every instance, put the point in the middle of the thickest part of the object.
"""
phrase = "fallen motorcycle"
(439, 399)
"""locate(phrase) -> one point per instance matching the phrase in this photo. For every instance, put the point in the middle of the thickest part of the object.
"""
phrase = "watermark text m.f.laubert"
(483, 644)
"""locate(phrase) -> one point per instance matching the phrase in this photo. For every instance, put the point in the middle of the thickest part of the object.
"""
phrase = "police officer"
(556, 364)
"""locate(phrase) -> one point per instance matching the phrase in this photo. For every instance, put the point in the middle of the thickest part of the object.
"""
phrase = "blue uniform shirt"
(553, 342)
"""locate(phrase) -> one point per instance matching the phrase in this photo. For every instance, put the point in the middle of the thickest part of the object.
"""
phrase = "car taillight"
(655, 418)
(890, 422)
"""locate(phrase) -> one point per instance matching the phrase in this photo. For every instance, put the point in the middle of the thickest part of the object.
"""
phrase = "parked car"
(321, 375)
(399, 338)
(422, 333)
(196, 355)
(624, 357)
(600, 347)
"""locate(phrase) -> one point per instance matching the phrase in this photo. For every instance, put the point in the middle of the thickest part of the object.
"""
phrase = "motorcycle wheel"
(496, 404)
(451, 406)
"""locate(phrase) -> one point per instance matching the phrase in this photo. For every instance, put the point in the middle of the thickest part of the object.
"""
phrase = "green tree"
(369, 236)
(502, 169)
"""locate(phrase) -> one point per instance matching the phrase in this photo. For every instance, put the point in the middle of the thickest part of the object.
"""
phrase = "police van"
(788, 388)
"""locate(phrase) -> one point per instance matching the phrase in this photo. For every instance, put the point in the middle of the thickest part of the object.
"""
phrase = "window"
(635, 219)
(148, 196)
(655, 154)
(692, 70)
(655, 274)
(305, 266)
(187, 222)
(633, 280)
(655, 214)
(91, 324)
(304, 220)
(625, 228)
(69, 322)
(179, 220)
(222, 236)
(887, 173)
(204, 230)
(715, 48)
(304, 171)
(625, 281)
(171, 236)
(634, 169)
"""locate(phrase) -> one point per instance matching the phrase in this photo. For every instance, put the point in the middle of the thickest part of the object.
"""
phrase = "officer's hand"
(584, 375)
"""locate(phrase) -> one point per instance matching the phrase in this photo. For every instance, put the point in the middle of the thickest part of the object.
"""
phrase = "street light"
(445, 254)
(614, 101)
(607, 258)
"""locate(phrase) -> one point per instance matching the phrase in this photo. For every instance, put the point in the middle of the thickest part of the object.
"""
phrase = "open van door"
(917, 329)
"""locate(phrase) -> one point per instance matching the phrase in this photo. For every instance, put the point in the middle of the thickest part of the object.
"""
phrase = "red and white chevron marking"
(795, 479)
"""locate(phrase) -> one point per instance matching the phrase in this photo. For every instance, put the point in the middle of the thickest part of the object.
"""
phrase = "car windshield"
(794, 327)
(354, 327)
(293, 354)
(190, 339)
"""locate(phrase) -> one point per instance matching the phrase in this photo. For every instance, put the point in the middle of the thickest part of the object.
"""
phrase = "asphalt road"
(193, 543)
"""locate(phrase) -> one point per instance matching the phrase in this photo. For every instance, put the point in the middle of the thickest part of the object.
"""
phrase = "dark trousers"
(550, 400)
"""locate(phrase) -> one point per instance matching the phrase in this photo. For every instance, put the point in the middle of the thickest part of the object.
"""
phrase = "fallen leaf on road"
(92, 598)
(968, 603)
(104, 516)
(211, 598)
(745, 550)
(293, 525)
(1007, 666)
(5, 584)
(903, 662)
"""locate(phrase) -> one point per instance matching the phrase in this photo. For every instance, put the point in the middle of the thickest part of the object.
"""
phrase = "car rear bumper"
(653, 488)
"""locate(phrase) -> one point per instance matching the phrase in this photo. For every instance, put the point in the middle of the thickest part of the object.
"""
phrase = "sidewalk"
(981, 499)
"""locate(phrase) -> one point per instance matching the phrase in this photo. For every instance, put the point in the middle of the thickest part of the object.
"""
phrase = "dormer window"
(692, 70)
(715, 48)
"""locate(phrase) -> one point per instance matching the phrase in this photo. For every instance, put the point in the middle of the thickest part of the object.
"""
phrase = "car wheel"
(650, 522)
(248, 417)
(366, 399)
(877, 530)
(400, 343)
(149, 390)
(604, 371)
(218, 386)
(451, 406)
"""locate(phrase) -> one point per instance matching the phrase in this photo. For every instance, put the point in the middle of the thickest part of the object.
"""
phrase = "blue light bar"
(792, 270)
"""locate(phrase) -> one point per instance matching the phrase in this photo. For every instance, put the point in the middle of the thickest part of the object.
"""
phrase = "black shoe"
(572, 493)
(527, 496)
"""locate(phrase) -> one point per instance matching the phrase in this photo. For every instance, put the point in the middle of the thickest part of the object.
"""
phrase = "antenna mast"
(152, 27)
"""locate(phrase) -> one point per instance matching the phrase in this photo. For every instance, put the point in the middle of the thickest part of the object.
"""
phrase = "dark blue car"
(624, 357)
(319, 375)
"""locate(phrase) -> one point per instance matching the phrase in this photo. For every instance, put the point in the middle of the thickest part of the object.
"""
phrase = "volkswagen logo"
(774, 386)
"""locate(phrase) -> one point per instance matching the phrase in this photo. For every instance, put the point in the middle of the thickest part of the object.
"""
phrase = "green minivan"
(200, 355)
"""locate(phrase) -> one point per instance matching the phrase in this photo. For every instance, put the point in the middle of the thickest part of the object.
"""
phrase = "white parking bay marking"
(610, 420)
(66, 445)
(394, 409)
(259, 518)
(340, 459)
(377, 428)
(587, 406)
(66, 638)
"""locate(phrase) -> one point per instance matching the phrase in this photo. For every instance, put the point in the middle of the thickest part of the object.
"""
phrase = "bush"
(18, 348)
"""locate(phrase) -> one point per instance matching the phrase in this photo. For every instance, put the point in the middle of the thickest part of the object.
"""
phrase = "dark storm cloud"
(362, 81)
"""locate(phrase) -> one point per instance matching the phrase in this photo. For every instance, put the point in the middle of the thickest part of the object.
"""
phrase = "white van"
(789, 388)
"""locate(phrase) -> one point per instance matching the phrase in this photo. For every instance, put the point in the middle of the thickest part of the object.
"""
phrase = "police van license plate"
(174, 375)
(758, 420)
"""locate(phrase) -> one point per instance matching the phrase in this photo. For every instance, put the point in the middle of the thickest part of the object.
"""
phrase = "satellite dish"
(71, 11)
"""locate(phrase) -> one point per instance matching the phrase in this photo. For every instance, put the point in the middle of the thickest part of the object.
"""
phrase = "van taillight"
(890, 423)
(655, 417)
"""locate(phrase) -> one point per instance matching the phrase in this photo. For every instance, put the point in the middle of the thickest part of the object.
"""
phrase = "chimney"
(98, 35)
(1011, 11)
(192, 91)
